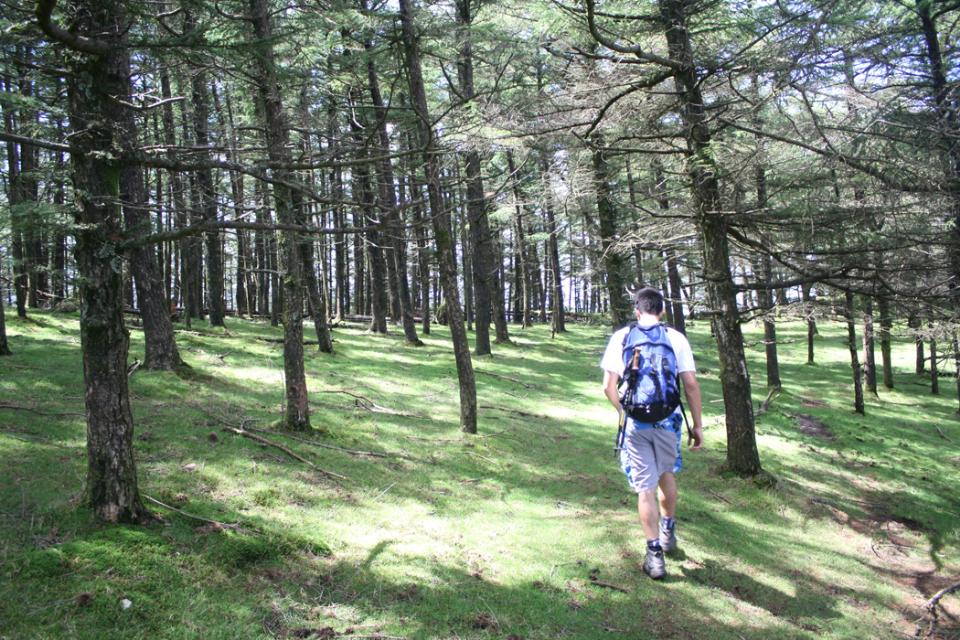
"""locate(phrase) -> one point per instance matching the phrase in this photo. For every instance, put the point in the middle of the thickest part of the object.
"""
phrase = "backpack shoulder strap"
(626, 335)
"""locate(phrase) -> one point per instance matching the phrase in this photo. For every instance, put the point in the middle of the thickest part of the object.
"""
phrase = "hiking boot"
(668, 538)
(654, 565)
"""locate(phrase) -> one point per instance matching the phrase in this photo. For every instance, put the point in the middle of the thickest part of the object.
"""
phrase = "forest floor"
(525, 531)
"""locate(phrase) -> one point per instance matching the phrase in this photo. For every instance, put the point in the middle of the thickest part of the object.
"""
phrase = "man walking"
(649, 358)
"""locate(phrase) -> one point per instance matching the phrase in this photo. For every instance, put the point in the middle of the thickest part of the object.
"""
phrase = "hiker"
(650, 360)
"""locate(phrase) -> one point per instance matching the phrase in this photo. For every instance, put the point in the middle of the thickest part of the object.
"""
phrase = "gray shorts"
(649, 451)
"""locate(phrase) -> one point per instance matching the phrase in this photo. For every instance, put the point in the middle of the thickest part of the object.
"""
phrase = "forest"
(262, 206)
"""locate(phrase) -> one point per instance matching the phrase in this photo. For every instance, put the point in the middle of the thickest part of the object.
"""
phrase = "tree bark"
(742, 455)
(207, 204)
(395, 235)
(869, 353)
(614, 265)
(95, 81)
(297, 409)
(769, 328)
(441, 224)
(556, 279)
(160, 352)
(886, 323)
(854, 358)
(934, 366)
(811, 325)
(480, 243)
(4, 345)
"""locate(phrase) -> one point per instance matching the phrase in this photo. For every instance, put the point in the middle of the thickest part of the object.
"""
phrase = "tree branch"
(72, 40)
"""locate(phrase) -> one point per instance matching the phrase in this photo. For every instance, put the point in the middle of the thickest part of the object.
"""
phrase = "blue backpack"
(650, 369)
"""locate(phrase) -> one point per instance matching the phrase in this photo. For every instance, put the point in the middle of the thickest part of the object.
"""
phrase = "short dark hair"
(648, 300)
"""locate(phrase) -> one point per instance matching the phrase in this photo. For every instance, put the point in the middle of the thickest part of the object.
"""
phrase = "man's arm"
(611, 388)
(691, 388)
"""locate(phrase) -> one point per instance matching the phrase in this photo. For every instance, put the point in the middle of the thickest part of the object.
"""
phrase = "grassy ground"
(502, 535)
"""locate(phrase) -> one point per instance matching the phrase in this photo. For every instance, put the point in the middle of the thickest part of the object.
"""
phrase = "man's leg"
(649, 514)
(667, 495)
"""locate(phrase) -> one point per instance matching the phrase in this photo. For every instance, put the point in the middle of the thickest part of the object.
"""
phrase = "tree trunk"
(14, 200)
(914, 323)
(160, 352)
(297, 409)
(769, 328)
(854, 359)
(521, 280)
(869, 354)
(670, 257)
(556, 277)
(614, 265)
(742, 455)
(934, 367)
(441, 225)
(886, 323)
(949, 123)
(396, 240)
(207, 204)
(480, 244)
(4, 346)
(95, 82)
(811, 325)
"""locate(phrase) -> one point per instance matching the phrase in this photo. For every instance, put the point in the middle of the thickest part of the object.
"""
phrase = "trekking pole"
(631, 383)
(618, 444)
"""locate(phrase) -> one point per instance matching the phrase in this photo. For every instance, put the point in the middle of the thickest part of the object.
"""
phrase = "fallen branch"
(523, 414)
(718, 496)
(20, 407)
(942, 434)
(323, 445)
(222, 525)
(368, 404)
(280, 341)
(765, 405)
(931, 608)
(526, 385)
(296, 456)
(606, 585)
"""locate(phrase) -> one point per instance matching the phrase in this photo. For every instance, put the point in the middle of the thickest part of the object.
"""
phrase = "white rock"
(126, 604)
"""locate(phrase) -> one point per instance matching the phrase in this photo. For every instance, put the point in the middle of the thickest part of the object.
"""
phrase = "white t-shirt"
(612, 360)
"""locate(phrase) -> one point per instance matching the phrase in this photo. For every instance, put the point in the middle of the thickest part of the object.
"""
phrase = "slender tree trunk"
(869, 354)
(160, 351)
(297, 409)
(956, 363)
(934, 366)
(914, 323)
(614, 264)
(4, 346)
(553, 247)
(95, 82)
(811, 325)
(886, 323)
(742, 455)
(480, 243)
(14, 200)
(441, 225)
(670, 257)
(769, 328)
(199, 91)
(395, 235)
(854, 358)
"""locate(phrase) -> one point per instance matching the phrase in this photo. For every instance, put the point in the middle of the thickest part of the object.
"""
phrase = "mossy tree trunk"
(742, 455)
(99, 74)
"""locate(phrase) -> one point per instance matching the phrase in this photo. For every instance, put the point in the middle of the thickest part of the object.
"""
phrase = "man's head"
(648, 301)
